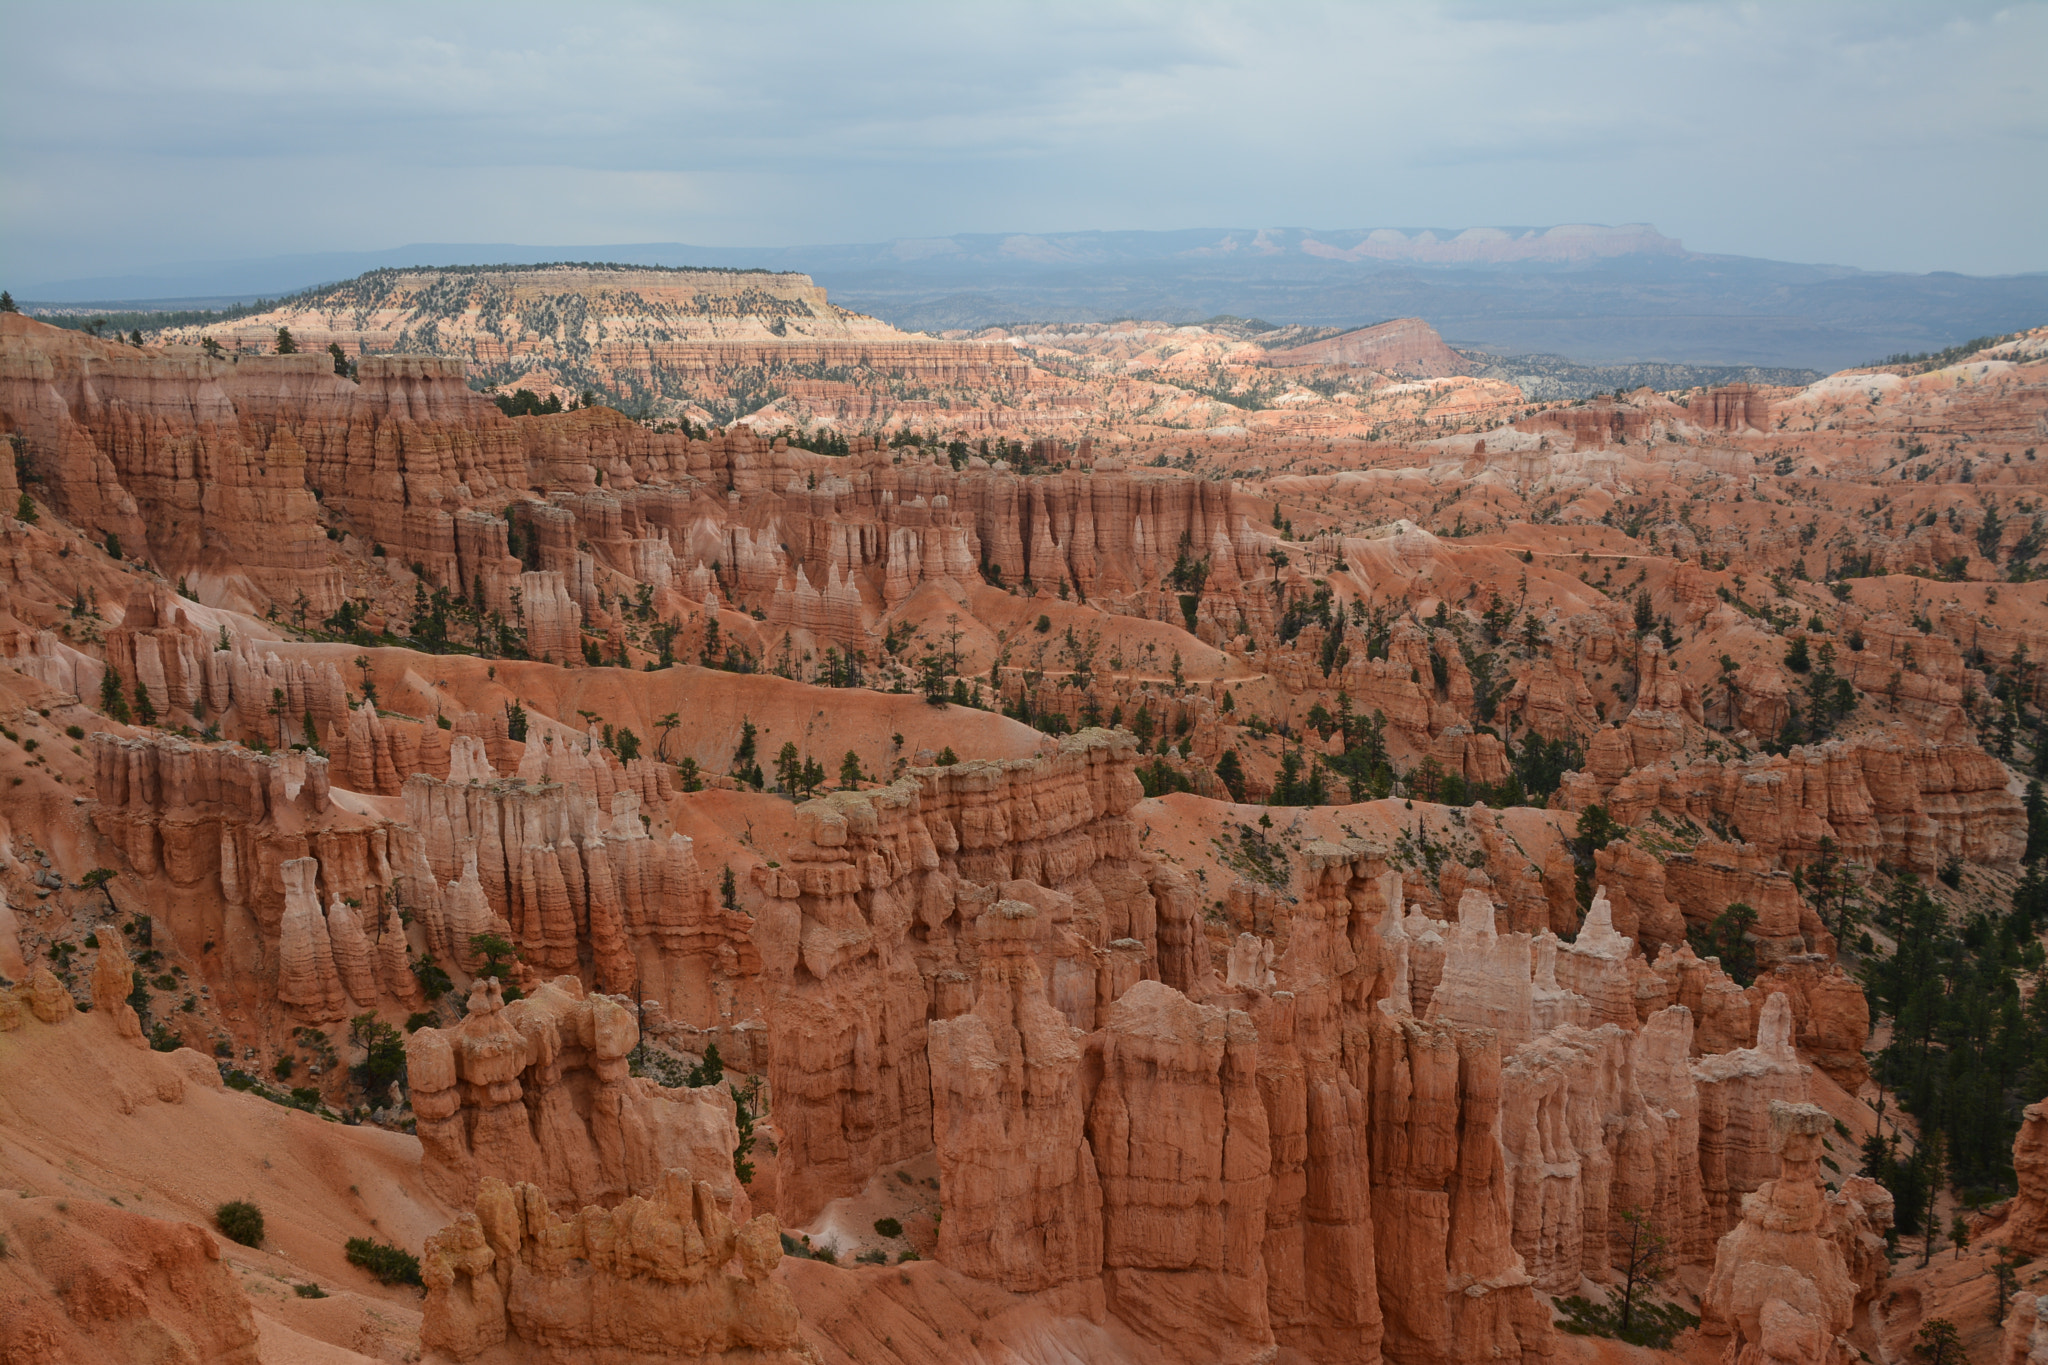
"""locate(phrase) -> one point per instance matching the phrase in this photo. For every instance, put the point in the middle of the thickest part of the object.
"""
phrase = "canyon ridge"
(591, 813)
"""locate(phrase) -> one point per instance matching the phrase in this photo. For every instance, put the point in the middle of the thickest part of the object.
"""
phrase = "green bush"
(309, 1291)
(383, 1260)
(240, 1221)
(710, 1071)
(888, 1227)
(1650, 1324)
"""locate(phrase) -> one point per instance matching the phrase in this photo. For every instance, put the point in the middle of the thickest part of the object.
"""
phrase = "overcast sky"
(1909, 137)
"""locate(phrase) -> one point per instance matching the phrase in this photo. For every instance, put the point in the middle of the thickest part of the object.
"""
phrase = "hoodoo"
(977, 848)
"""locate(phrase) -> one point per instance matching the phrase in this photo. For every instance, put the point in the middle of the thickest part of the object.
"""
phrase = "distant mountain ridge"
(1603, 295)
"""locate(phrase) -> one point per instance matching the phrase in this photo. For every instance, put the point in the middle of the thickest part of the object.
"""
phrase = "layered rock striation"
(1782, 1286)
(539, 1091)
(670, 1276)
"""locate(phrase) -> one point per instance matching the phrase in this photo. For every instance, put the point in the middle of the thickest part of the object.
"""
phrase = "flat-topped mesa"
(1403, 346)
(668, 1276)
(676, 337)
(140, 781)
(487, 314)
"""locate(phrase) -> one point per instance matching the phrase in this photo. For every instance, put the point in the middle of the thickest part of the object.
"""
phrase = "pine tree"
(111, 700)
(2006, 1273)
(1230, 772)
(1933, 1163)
(1939, 1343)
(1643, 1260)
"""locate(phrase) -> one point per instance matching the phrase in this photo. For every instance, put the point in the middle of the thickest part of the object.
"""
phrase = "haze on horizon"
(1895, 137)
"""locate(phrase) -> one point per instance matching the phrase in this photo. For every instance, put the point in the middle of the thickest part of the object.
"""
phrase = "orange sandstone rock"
(660, 1278)
(1781, 1288)
(539, 1091)
(83, 1281)
(2026, 1221)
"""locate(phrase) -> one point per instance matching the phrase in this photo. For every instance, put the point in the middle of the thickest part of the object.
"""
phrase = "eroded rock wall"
(540, 1091)
(669, 1276)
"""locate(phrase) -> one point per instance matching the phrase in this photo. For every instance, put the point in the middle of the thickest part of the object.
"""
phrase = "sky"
(1886, 136)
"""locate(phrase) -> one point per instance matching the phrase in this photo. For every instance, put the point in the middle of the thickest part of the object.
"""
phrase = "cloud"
(1894, 136)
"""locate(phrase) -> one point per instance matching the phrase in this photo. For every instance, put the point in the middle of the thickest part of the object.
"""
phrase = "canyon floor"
(1107, 842)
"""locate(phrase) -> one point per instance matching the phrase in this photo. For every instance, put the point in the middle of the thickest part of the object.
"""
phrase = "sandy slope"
(86, 1120)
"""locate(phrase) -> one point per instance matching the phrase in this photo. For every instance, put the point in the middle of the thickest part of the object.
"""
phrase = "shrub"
(240, 1221)
(710, 1071)
(383, 1260)
(309, 1291)
(873, 1256)
(433, 978)
(888, 1227)
(1653, 1324)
